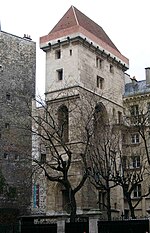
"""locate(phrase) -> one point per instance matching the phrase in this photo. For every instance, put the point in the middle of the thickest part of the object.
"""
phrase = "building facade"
(17, 87)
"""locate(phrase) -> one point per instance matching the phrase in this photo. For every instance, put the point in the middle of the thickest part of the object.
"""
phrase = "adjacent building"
(17, 88)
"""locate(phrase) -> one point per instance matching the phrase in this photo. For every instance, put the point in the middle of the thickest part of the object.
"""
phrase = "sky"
(127, 23)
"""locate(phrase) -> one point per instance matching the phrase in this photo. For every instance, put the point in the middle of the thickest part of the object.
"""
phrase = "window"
(137, 191)
(119, 117)
(63, 123)
(7, 96)
(148, 111)
(16, 157)
(102, 200)
(134, 110)
(5, 156)
(60, 74)
(7, 126)
(136, 161)
(100, 82)
(70, 52)
(43, 158)
(99, 62)
(124, 162)
(58, 54)
(135, 138)
(111, 68)
(36, 195)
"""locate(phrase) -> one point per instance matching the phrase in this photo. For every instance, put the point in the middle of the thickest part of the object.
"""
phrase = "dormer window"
(58, 54)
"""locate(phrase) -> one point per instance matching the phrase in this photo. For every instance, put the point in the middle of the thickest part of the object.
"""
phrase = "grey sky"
(125, 22)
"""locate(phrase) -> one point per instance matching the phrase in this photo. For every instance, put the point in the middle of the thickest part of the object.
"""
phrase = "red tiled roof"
(75, 21)
(74, 17)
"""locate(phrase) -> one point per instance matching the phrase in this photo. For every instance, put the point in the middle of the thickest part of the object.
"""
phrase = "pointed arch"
(100, 118)
(63, 122)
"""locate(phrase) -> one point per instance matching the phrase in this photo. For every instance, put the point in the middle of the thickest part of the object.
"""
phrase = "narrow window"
(119, 117)
(58, 54)
(36, 195)
(100, 82)
(99, 62)
(102, 200)
(16, 157)
(111, 68)
(63, 123)
(7, 126)
(124, 162)
(5, 156)
(60, 74)
(43, 158)
(134, 110)
(70, 52)
(7, 96)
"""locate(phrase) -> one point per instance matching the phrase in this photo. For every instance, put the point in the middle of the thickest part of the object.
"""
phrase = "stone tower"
(81, 60)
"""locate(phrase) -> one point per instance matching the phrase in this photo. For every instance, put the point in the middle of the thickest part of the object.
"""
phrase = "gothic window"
(63, 123)
(100, 118)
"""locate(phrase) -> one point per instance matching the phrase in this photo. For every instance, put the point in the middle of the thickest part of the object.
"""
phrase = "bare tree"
(51, 129)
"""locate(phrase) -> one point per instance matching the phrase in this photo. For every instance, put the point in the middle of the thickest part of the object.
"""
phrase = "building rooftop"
(74, 17)
(136, 87)
(75, 23)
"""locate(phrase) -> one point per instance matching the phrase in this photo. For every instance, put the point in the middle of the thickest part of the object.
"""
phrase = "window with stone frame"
(135, 138)
(137, 191)
(60, 74)
(111, 69)
(100, 82)
(43, 158)
(134, 110)
(99, 62)
(58, 54)
(102, 200)
(136, 161)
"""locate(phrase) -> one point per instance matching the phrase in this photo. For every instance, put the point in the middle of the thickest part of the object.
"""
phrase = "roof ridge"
(73, 8)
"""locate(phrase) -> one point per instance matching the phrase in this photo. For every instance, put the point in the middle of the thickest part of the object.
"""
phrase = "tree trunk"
(130, 206)
(73, 206)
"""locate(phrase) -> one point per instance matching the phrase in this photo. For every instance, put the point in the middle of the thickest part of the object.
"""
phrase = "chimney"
(147, 73)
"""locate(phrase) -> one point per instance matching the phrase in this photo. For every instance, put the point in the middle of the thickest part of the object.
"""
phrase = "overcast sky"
(127, 23)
